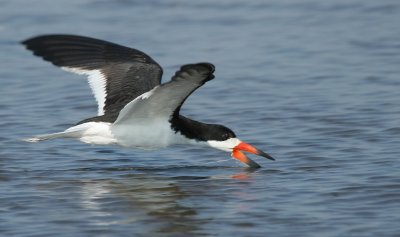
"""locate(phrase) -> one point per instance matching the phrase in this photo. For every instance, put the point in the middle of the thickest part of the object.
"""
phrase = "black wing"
(117, 74)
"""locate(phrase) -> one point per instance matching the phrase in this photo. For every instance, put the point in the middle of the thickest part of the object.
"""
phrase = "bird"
(133, 108)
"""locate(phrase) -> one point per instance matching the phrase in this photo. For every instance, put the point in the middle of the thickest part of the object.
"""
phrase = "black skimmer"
(134, 109)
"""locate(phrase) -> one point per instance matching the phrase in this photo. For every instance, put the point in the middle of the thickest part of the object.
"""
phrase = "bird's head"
(225, 139)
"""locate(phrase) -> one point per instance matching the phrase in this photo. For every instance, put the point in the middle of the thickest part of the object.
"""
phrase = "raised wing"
(116, 74)
(163, 101)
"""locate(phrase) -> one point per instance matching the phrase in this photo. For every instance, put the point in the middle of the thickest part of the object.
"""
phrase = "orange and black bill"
(240, 156)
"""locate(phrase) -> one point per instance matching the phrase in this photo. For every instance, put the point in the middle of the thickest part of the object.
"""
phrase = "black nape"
(200, 131)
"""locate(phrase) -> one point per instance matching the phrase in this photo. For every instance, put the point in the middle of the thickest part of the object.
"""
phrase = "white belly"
(92, 132)
(144, 134)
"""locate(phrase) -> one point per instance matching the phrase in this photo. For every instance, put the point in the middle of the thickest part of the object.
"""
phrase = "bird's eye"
(226, 136)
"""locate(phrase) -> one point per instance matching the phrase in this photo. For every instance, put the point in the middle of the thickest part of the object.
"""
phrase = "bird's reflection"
(153, 201)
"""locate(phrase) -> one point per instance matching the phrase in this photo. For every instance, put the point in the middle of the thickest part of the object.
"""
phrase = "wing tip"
(209, 66)
(29, 42)
(34, 44)
(204, 69)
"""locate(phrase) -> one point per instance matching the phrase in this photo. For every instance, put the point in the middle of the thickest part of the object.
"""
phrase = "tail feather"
(44, 137)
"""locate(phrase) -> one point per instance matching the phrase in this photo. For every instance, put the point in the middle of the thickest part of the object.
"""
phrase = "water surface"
(314, 83)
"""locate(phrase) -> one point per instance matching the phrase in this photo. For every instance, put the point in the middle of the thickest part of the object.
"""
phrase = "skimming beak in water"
(237, 147)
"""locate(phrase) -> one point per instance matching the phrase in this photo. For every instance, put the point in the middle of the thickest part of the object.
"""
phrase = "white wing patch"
(97, 82)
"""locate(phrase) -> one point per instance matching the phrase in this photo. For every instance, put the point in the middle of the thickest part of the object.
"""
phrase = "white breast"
(92, 132)
(146, 134)
(144, 123)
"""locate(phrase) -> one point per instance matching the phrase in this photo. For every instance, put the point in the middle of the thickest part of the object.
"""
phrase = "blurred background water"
(314, 83)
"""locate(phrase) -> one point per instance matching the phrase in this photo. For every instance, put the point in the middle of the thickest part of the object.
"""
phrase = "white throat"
(226, 145)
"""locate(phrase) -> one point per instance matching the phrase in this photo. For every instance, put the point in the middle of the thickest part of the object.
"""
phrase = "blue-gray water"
(314, 83)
